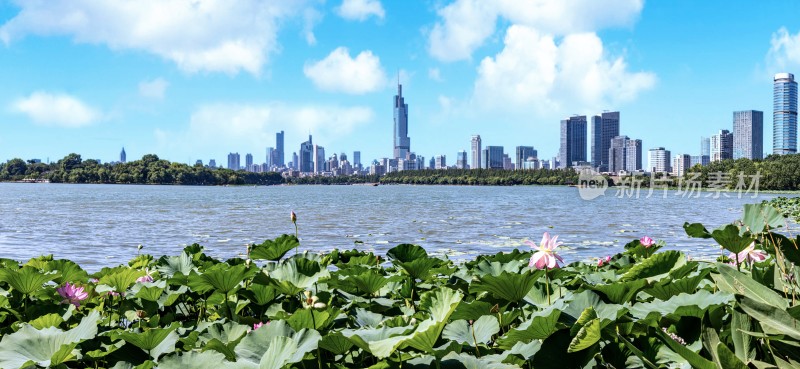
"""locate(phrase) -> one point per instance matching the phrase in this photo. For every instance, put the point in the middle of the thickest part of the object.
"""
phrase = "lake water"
(99, 225)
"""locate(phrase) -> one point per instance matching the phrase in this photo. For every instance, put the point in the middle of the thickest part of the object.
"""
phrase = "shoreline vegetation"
(273, 307)
(775, 173)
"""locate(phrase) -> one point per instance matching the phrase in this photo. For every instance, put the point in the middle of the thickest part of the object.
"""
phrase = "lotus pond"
(275, 308)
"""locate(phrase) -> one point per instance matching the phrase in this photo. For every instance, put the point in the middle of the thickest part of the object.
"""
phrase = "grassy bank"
(352, 309)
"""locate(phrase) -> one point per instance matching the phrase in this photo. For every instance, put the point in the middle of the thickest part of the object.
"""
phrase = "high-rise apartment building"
(440, 162)
(659, 160)
(461, 160)
(784, 114)
(306, 157)
(680, 164)
(748, 134)
(295, 161)
(604, 128)
(722, 145)
(402, 143)
(523, 153)
(573, 141)
(233, 161)
(279, 160)
(476, 152)
(272, 157)
(705, 146)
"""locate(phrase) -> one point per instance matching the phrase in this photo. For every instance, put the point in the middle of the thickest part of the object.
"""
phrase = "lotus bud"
(139, 248)
(413, 321)
(293, 216)
(319, 305)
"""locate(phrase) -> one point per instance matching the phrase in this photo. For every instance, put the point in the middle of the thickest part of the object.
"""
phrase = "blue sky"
(191, 80)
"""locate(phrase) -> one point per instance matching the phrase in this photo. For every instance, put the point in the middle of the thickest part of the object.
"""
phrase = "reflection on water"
(98, 225)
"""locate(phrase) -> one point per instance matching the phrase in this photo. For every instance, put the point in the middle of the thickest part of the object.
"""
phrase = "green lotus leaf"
(275, 249)
(540, 326)
(46, 321)
(406, 253)
(172, 265)
(695, 359)
(733, 281)
(309, 319)
(667, 288)
(465, 361)
(656, 266)
(511, 287)
(730, 238)
(120, 280)
(295, 275)
(472, 310)
(155, 341)
(621, 292)
(366, 318)
(683, 305)
(760, 217)
(587, 336)
(480, 332)
(696, 230)
(194, 360)
(222, 278)
(368, 283)
(335, 343)
(25, 280)
(254, 347)
(67, 271)
(495, 268)
(45, 347)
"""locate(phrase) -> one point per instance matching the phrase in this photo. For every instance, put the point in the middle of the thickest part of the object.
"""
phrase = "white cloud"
(59, 110)
(535, 71)
(250, 126)
(435, 74)
(153, 89)
(784, 51)
(339, 72)
(466, 24)
(360, 10)
(203, 35)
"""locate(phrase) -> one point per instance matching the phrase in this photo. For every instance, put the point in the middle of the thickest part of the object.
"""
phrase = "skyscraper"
(476, 152)
(659, 160)
(212, 163)
(705, 146)
(272, 156)
(402, 143)
(523, 153)
(722, 146)
(494, 157)
(616, 154)
(306, 156)
(784, 114)
(440, 162)
(357, 159)
(680, 164)
(461, 160)
(604, 128)
(573, 141)
(233, 161)
(295, 161)
(279, 159)
(633, 155)
(123, 158)
(748, 134)
(319, 159)
(248, 162)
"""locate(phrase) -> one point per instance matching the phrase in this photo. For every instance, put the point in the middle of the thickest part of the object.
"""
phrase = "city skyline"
(305, 72)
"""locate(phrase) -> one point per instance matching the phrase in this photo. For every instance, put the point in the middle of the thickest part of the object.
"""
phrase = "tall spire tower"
(402, 143)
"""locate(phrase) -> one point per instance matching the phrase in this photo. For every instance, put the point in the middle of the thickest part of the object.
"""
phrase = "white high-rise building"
(680, 164)
(658, 160)
(476, 152)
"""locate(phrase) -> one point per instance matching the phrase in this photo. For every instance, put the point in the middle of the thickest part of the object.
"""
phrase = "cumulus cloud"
(251, 126)
(534, 70)
(465, 25)
(53, 109)
(153, 89)
(213, 36)
(435, 74)
(784, 51)
(339, 72)
(360, 10)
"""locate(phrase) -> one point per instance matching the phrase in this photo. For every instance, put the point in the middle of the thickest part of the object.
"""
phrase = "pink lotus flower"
(647, 241)
(72, 294)
(545, 257)
(145, 278)
(749, 255)
(259, 325)
(604, 261)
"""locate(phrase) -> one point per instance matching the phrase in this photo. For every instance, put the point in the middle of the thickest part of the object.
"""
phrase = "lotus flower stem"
(475, 340)
(547, 285)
